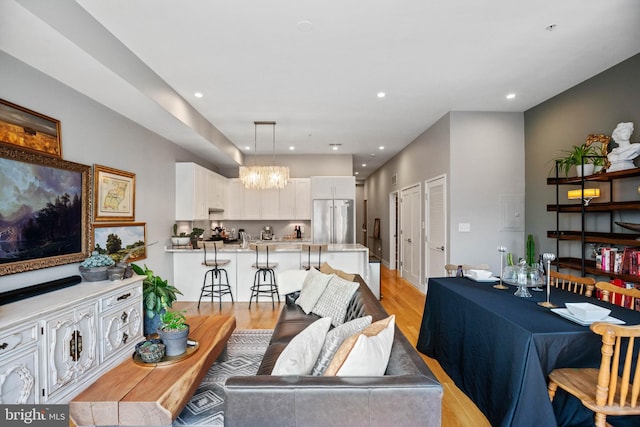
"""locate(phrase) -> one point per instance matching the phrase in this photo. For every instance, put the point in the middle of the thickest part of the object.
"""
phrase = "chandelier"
(264, 177)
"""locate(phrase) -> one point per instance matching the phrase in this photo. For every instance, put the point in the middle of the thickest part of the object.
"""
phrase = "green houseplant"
(195, 235)
(180, 239)
(174, 332)
(574, 157)
(157, 296)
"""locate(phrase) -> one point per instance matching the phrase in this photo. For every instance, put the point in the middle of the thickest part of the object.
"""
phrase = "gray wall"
(482, 154)
(594, 106)
(91, 133)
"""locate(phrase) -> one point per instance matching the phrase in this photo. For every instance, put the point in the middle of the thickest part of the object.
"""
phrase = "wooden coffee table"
(135, 395)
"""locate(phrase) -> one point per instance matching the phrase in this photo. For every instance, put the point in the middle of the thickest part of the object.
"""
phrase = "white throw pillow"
(366, 353)
(314, 285)
(299, 356)
(290, 281)
(335, 299)
(334, 339)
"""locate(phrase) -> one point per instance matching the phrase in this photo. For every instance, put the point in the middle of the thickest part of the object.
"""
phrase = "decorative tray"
(168, 360)
(629, 225)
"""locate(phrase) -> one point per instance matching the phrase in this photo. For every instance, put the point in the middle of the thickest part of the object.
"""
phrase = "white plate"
(563, 312)
(487, 280)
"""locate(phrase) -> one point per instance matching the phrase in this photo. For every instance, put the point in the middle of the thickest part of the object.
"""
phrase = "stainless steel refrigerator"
(333, 221)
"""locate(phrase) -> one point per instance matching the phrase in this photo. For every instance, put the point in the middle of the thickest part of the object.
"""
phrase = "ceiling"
(315, 67)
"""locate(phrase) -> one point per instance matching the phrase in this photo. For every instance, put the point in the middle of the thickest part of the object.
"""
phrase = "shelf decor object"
(264, 177)
(548, 257)
(586, 195)
(501, 251)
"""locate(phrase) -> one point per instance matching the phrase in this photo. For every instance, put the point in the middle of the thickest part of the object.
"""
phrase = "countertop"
(281, 246)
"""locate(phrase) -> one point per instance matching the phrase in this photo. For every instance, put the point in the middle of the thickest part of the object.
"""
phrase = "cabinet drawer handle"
(3, 346)
(124, 316)
(125, 296)
(125, 337)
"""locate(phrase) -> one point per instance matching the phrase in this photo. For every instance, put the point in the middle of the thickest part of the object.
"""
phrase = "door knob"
(409, 240)
(441, 248)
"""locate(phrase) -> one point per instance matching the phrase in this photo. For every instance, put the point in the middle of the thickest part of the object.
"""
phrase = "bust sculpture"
(622, 156)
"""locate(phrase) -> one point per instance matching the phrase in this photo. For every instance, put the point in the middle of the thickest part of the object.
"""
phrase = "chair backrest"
(626, 295)
(452, 269)
(263, 248)
(313, 248)
(618, 350)
(211, 248)
(577, 285)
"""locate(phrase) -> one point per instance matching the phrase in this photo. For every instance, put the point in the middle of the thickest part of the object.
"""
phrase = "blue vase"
(151, 325)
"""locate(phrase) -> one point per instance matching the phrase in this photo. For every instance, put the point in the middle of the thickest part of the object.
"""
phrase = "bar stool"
(309, 248)
(264, 271)
(215, 289)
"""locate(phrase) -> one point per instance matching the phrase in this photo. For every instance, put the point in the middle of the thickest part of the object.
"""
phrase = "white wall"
(91, 133)
(487, 160)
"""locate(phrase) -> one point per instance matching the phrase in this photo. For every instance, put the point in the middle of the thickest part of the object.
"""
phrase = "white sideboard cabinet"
(54, 345)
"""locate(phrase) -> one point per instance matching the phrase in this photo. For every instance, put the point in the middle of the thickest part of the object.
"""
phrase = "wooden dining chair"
(451, 269)
(602, 390)
(608, 289)
(577, 285)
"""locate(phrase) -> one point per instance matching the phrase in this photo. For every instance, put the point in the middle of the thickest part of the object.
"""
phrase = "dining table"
(499, 349)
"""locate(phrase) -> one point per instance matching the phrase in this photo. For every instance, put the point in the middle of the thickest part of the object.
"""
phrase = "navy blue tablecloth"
(499, 349)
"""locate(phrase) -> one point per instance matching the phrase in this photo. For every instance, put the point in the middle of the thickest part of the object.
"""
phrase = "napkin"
(479, 274)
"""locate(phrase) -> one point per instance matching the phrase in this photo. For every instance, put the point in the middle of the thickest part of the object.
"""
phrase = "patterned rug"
(244, 354)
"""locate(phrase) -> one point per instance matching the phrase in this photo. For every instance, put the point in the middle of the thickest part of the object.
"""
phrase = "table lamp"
(548, 257)
(501, 251)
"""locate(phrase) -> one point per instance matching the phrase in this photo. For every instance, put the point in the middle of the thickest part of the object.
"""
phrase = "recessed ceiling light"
(292, 148)
(364, 165)
(335, 147)
(247, 148)
(381, 94)
(356, 173)
(198, 95)
(511, 96)
(381, 148)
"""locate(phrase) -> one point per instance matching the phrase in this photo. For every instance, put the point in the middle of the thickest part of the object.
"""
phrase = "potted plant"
(179, 239)
(95, 268)
(195, 236)
(579, 156)
(174, 332)
(157, 296)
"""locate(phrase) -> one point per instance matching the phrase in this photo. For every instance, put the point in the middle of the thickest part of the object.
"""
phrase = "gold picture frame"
(115, 194)
(29, 130)
(47, 211)
(119, 239)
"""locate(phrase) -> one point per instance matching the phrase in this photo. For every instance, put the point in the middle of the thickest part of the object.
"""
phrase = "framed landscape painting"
(29, 130)
(120, 240)
(115, 194)
(45, 209)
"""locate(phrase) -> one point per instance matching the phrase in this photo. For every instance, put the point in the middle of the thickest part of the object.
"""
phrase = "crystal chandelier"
(264, 177)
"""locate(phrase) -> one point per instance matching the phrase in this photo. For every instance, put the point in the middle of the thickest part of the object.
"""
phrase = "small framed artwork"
(121, 240)
(115, 194)
(29, 130)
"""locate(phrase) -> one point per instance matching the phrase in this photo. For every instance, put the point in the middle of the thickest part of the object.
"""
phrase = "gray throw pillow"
(335, 299)
(334, 339)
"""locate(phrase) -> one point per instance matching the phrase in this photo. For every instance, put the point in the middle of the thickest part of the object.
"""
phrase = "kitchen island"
(188, 271)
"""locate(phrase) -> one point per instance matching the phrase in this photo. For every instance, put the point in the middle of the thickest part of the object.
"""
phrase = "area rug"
(244, 354)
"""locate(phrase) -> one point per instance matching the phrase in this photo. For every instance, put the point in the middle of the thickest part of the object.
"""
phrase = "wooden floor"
(399, 298)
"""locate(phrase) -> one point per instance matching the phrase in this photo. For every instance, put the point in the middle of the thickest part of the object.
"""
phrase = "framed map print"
(115, 194)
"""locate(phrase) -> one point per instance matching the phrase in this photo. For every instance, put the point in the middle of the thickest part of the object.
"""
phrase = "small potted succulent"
(174, 332)
(179, 239)
(95, 268)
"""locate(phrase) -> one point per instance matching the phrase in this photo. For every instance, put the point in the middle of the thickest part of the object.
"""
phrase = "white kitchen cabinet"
(198, 190)
(53, 346)
(19, 355)
(295, 199)
(248, 204)
(235, 200)
(333, 187)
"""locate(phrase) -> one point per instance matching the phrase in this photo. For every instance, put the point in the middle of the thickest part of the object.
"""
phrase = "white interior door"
(410, 235)
(436, 227)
